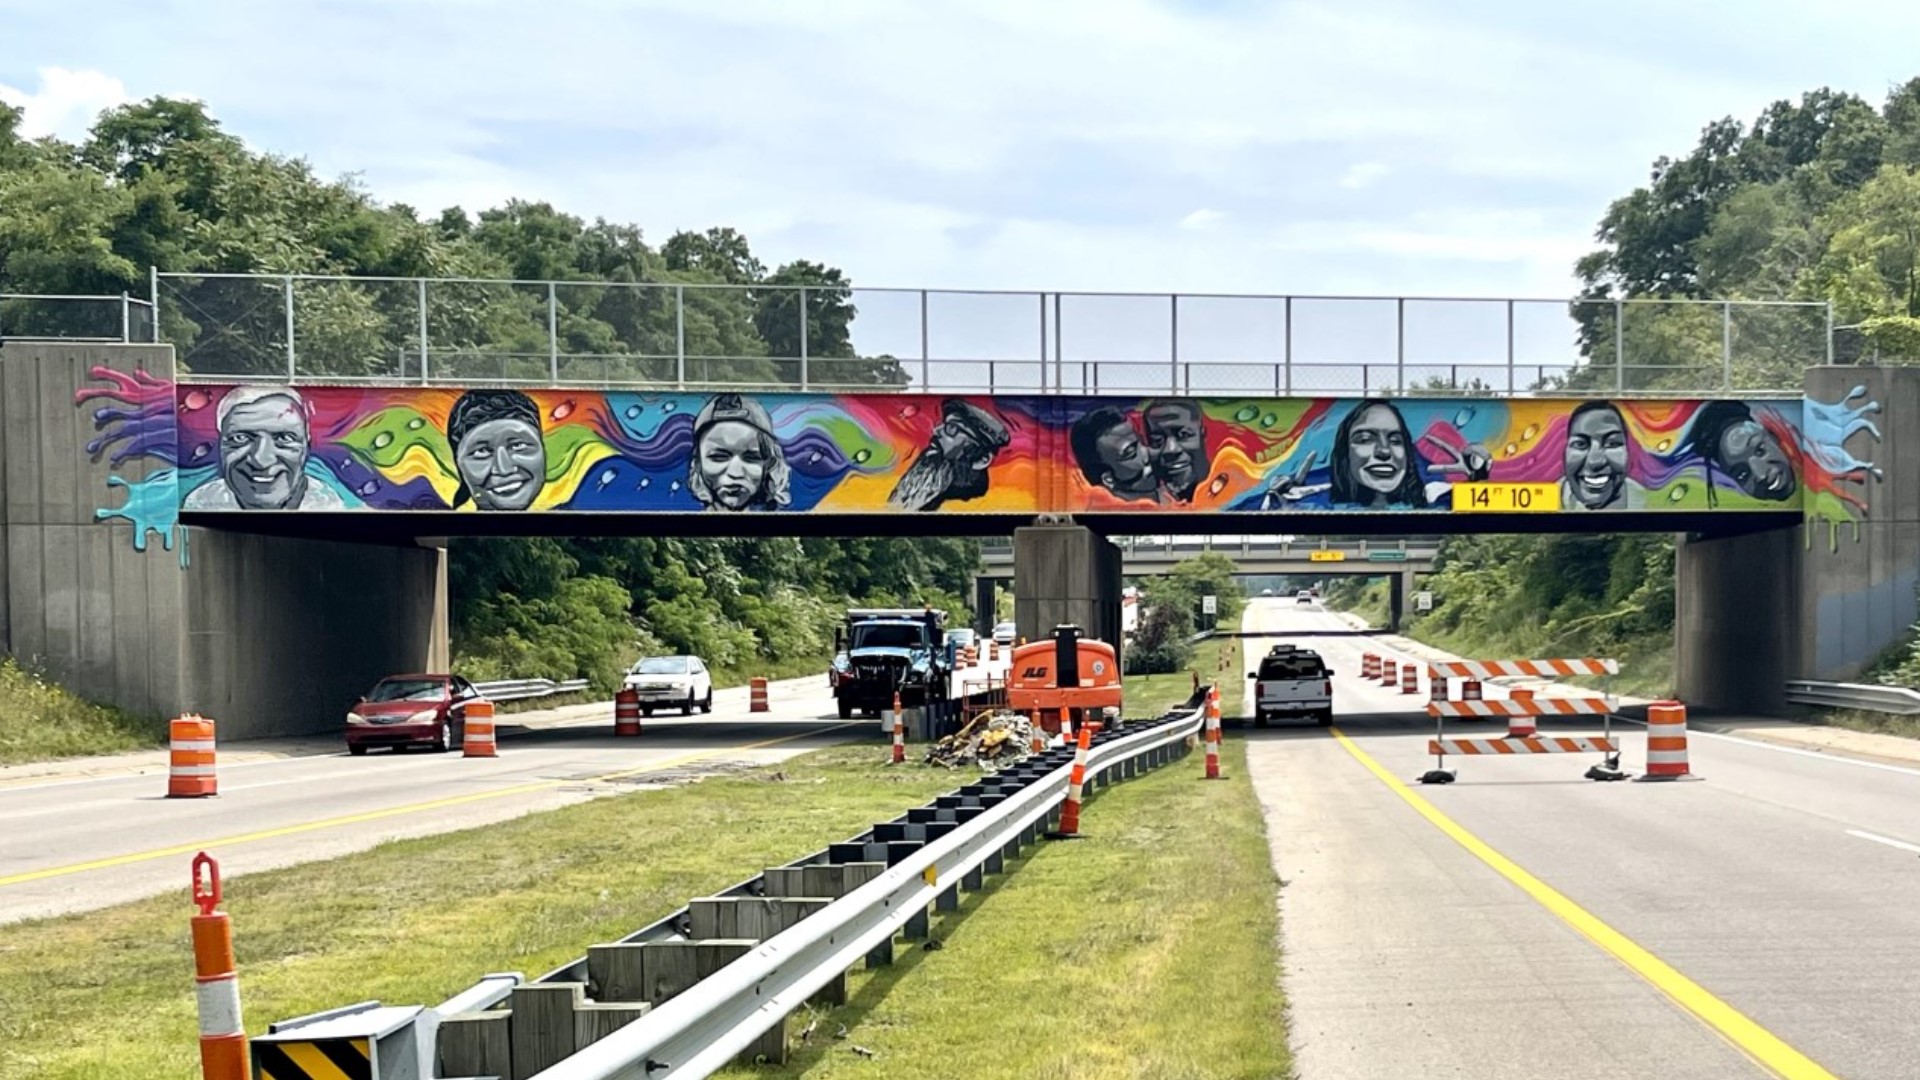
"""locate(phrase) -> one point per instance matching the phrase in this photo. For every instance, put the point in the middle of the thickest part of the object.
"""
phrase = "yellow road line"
(1757, 1042)
(393, 811)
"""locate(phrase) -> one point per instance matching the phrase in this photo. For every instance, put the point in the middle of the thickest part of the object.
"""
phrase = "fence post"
(126, 319)
(1173, 342)
(1400, 343)
(553, 333)
(803, 337)
(1829, 333)
(926, 378)
(1059, 341)
(1042, 297)
(424, 377)
(1620, 345)
(291, 369)
(1286, 345)
(680, 336)
(1509, 346)
(1726, 345)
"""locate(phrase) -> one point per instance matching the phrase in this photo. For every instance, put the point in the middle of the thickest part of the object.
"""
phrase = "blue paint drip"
(152, 506)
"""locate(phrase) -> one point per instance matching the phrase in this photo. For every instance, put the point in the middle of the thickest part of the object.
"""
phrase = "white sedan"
(665, 681)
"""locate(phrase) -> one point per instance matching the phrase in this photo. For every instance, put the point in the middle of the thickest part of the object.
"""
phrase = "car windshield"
(1004, 628)
(407, 690)
(960, 637)
(661, 665)
(886, 636)
(1296, 666)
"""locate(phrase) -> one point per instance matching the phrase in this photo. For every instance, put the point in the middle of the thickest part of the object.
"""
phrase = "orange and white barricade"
(757, 694)
(1409, 679)
(477, 739)
(1521, 709)
(1389, 672)
(993, 650)
(190, 766)
(1667, 742)
(223, 1038)
(1369, 665)
(626, 712)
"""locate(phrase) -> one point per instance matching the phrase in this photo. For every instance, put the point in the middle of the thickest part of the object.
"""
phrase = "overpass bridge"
(177, 539)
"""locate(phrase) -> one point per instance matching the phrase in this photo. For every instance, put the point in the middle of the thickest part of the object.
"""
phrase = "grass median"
(41, 721)
(1147, 949)
(108, 995)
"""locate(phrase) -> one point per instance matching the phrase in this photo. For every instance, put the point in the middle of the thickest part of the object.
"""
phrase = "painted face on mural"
(1176, 439)
(733, 461)
(498, 450)
(1377, 450)
(1596, 457)
(502, 463)
(263, 452)
(1754, 461)
(955, 462)
(1112, 455)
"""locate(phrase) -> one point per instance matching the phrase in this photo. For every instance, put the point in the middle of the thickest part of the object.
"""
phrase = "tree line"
(160, 184)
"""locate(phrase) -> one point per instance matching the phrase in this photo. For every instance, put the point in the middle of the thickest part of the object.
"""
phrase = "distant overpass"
(1250, 554)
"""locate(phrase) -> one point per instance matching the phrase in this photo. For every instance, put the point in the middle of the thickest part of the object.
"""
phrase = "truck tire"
(1324, 718)
(845, 707)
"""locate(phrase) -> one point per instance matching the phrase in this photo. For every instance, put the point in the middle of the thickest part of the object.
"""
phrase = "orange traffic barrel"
(626, 712)
(1667, 741)
(1409, 679)
(478, 739)
(1521, 727)
(1469, 689)
(757, 694)
(1389, 672)
(190, 772)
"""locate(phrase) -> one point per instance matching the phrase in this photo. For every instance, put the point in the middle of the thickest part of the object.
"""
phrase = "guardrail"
(999, 550)
(523, 689)
(1897, 700)
(891, 874)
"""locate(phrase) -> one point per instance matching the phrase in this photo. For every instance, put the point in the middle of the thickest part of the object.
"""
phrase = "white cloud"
(1362, 174)
(66, 103)
(1201, 219)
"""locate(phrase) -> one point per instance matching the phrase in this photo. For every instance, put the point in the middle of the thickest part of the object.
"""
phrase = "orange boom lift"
(1065, 674)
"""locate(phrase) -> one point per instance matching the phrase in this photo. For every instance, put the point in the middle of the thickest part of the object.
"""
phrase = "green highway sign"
(1386, 556)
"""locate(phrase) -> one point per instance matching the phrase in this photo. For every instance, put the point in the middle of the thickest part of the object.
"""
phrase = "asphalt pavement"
(1527, 922)
(81, 835)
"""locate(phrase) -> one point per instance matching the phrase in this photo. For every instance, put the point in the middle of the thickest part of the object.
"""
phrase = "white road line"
(1889, 841)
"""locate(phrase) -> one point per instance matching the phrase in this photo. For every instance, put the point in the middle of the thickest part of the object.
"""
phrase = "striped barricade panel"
(1534, 707)
(1531, 745)
(1551, 669)
(320, 1059)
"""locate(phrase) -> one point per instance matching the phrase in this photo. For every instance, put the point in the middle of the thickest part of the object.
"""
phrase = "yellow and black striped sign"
(323, 1059)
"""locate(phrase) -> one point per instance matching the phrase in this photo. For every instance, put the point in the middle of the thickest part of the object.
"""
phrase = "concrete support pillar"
(1737, 620)
(1065, 574)
(986, 594)
(1396, 600)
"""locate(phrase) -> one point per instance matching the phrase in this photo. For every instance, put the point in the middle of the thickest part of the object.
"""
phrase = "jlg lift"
(1067, 674)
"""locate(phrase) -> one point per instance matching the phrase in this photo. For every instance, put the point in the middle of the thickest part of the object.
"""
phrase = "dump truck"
(880, 652)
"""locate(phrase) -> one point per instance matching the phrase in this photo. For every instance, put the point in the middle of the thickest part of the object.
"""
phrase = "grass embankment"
(1907, 727)
(1148, 949)
(40, 721)
(416, 920)
(1151, 695)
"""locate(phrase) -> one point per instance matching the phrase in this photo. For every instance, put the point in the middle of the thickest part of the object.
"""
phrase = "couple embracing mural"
(1160, 457)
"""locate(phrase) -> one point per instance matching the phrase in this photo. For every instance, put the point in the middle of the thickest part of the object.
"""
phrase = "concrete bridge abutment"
(109, 595)
(1065, 574)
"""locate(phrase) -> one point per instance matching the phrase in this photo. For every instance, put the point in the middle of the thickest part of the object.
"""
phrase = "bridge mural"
(251, 448)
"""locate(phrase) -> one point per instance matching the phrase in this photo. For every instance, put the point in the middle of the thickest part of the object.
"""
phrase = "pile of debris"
(996, 737)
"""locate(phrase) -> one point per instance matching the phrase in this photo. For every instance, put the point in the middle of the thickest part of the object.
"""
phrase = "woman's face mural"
(1377, 451)
(497, 449)
(1753, 460)
(733, 462)
(1595, 462)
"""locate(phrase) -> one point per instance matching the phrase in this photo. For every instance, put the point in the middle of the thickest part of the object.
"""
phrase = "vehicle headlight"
(424, 716)
(355, 718)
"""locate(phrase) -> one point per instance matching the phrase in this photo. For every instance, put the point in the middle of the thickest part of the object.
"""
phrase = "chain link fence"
(121, 319)
(685, 336)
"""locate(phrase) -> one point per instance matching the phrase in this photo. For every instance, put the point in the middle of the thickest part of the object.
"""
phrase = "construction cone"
(1667, 742)
(1213, 735)
(1038, 736)
(223, 1038)
(899, 731)
(1076, 786)
(477, 732)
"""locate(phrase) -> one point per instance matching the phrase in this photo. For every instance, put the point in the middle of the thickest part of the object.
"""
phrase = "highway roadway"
(1525, 922)
(84, 841)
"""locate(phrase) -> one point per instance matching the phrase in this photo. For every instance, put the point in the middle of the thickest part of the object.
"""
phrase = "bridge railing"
(998, 550)
(121, 319)
(652, 335)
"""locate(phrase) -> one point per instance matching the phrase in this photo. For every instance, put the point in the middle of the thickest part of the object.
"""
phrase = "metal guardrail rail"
(699, 1031)
(930, 852)
(1897, 700)
(523, 689)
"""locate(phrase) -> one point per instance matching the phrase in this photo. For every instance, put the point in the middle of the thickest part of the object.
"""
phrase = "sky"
(1214, 146)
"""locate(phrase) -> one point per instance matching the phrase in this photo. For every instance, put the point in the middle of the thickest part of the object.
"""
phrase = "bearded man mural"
(954, 464)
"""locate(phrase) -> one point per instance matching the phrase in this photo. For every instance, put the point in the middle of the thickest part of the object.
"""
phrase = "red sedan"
(410, 710)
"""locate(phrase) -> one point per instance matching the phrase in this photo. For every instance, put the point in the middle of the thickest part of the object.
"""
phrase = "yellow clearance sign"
(1506, 498)
(1327, 556)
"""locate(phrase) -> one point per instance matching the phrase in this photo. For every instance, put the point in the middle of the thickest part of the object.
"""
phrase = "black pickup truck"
(883, 651)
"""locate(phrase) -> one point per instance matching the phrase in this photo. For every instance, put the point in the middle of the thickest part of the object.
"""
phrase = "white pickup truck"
(1292, 682)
